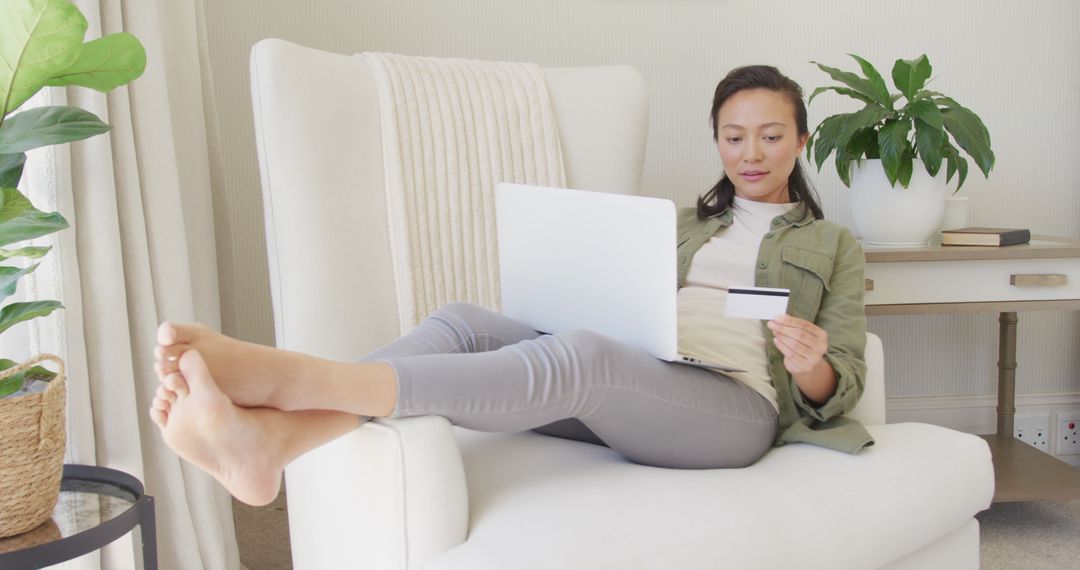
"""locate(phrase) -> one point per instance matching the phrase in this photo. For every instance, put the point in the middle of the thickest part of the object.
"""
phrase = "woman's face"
(759, 143)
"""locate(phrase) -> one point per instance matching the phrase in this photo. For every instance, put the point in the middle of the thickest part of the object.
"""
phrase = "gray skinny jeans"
(488, 372)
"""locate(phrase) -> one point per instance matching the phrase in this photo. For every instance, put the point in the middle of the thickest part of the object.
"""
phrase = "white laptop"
(572, 259)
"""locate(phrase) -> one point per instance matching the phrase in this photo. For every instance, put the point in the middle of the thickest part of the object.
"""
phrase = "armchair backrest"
(317, 126)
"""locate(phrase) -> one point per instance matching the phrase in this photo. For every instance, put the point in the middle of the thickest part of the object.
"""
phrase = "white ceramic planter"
(896, 216)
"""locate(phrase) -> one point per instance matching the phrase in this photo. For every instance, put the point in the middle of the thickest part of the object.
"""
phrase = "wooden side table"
(1041, 275)
(97, 505)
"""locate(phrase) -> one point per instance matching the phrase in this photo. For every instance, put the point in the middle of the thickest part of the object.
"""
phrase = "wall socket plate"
(1034, 430)
(1067, 440)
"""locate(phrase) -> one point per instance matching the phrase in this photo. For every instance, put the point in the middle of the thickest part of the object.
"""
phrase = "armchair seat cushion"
(541, 502)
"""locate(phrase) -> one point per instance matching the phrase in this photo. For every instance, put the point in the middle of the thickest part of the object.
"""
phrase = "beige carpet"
(1032, 536)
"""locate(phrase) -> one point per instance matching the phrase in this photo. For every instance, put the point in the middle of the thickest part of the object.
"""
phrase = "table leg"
(1006, 409)
(149, 534)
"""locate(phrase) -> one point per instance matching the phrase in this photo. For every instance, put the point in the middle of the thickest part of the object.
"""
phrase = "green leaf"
(18, 312)
(880, 89)
(872, 148)
(867, 117)
(19, 220)
(842, 91)
(42, 126)
(927, 94)
(105, 63)
(826, 134)
(14, 383)
(38, 39)
(39, 373)
(27, 252)
(928, 141)
(9, 278)
(836, 131)
(971, 135)
(11, 167)
(910, 75)
(956, 163)
(843, 167)
(860, 142)
(9, 386)
(907, 166)
(860, 85)
(926, 111)
(892, 141)
(855, 149)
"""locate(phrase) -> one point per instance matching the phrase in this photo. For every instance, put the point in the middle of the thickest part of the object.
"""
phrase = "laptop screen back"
(572, 259)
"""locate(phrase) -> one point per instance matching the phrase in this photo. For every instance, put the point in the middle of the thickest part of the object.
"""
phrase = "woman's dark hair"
(721, 196)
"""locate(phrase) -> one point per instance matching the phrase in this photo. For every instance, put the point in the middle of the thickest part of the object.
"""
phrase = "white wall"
(1016, 64)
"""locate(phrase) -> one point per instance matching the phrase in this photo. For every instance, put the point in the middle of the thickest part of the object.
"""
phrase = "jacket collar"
(798, 216)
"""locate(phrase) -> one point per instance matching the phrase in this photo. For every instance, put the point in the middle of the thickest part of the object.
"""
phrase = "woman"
(242, 411)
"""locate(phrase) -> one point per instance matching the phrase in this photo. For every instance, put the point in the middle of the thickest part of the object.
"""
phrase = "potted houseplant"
(42, 46)
(893, 155)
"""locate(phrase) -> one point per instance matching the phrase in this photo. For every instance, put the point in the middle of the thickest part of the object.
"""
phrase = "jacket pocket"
(806, 272)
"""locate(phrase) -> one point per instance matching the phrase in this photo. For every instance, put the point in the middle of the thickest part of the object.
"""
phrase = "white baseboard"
(977, 414)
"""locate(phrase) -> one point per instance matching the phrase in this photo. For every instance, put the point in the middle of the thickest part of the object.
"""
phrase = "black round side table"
(97, 505)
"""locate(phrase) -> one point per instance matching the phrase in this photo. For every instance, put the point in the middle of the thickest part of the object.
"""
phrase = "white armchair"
(419, 493)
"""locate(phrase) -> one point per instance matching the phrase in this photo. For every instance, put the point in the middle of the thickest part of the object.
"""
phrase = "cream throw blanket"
(451, 130)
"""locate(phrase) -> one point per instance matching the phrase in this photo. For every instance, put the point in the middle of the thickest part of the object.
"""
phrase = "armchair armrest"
(350, 499)
(871, 407)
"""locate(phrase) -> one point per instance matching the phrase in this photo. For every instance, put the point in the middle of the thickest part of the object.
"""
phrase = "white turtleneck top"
(727, 260)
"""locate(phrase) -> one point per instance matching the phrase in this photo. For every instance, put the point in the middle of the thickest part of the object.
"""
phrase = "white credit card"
(763, 303)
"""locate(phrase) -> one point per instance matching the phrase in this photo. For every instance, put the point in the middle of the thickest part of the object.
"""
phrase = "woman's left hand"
(802, 343)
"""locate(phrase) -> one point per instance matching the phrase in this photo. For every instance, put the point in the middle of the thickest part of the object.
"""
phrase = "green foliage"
(20, 221)
(11, 167)
(43, 126)
(41, 44)
(11, 385)
(921, 129)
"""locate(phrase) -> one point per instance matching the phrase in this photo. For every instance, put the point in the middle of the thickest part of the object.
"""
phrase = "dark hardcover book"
(985, 236)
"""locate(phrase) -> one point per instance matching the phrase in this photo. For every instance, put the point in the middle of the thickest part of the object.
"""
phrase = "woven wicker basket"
(31, 452)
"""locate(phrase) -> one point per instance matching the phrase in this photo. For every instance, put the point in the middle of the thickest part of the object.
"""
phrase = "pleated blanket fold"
(451, 130)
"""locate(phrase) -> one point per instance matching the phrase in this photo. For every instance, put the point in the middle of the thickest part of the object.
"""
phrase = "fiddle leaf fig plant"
(926, 126)
(41, 45)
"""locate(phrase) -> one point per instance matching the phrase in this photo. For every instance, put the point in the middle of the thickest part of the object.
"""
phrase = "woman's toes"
(163, 368)
(169, 333)
(161, 405)
(176, 383)
(168, 359)
(170, 353)
(159, 417)
(166, 334)
(166, 394)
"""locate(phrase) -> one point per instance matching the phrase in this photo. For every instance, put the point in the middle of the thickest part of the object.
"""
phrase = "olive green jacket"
(822, 265)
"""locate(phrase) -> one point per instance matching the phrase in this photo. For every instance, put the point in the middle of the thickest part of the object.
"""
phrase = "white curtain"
(140, 250)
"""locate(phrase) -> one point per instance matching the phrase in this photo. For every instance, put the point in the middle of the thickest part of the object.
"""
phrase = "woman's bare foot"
(249, 374)
(242, 448)
(253, 375)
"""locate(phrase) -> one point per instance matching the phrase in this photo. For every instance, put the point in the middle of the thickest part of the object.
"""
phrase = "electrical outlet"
(1034, 430)
(1067, 440)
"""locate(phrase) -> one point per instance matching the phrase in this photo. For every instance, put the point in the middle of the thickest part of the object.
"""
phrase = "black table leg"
(148, 528)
